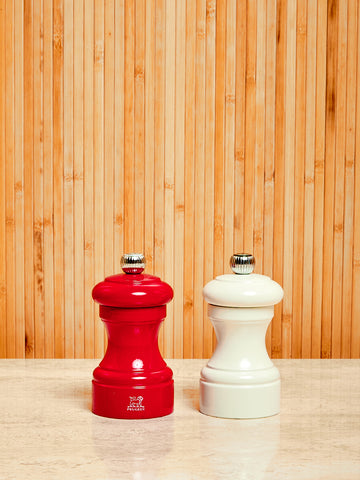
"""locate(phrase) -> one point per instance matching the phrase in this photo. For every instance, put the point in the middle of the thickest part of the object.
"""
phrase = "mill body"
(132, 381)
(240, 380)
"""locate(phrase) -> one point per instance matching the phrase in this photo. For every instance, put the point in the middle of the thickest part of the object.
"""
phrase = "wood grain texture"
(99, 159)
(189, 190)
(9, 181)
(139, 125)
(319, 168)
(23, 177)
(78, 129)
(355, 324)
(309, 179)
(159, 147)
(207, 257)
(202, 25)
(149, 169)
(329, 172)
(187, 130)
(48, 184)
(289, 179)
(179, 179)
(339, 193)
(89, 307)
(349, 180)
(129, 125)
(299, 177)
(119, 64)
(68, 188)
(169, 172)
(269, 147)
(2, 189)
(38, 180)
(276, 328)
(58, 172)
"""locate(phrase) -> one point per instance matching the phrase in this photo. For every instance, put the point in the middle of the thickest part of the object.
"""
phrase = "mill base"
(148, 401)
(239, 401)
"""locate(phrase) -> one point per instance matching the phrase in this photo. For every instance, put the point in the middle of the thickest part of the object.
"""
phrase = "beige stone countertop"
(47, 430)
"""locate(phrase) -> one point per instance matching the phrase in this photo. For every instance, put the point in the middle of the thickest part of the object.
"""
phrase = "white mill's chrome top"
(242, 263)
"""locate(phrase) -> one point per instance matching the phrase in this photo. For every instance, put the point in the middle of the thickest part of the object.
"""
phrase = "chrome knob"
(242, 263)
(133, 263)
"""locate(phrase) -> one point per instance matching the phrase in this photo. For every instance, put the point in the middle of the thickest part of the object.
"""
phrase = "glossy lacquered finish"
(132, 291)
(132, 381)
(240, 380)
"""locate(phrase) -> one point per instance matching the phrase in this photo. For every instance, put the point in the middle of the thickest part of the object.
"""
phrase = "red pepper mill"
(132, 380)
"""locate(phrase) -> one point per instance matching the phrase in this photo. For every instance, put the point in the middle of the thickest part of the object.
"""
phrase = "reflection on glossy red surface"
(133, 380)
(132, 291)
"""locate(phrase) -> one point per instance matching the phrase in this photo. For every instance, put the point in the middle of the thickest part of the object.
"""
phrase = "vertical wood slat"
(129, 127)
(89, 51)
(209, 166)
(48, 257)
(186, 130)
(139, 126)
(349, 180)
(169, 172)
(119, 39)
(109, 133)
(250, 125)
(259, 161)
(149, 142)
(240, 111)
(330, 149)
(58, 167)
(23, 176)
(309, 173)
(89, 308)
(319, 181)
(189, 182)
(99, 167)
(179, 188)
(299, 174)
(78, 135)
(340, 136)
(9, 183)
(203, 17)
(229, 131)
(219, 150)
(68, 186)
(270, 69)
(159, 148)
(38, 183)
(349, 227)
(276, 339)
(355, 326)
(2, 182)
(289, 160)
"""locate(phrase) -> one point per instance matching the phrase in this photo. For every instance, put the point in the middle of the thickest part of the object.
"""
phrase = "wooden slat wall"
(187, 130)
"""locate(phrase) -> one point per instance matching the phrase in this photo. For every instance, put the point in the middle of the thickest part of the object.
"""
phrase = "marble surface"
(48, 431)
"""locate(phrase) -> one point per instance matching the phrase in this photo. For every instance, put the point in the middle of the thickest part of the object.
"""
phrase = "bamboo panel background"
(187, 130)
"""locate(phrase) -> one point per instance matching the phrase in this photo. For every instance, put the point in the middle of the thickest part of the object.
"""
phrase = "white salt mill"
(240, 380)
